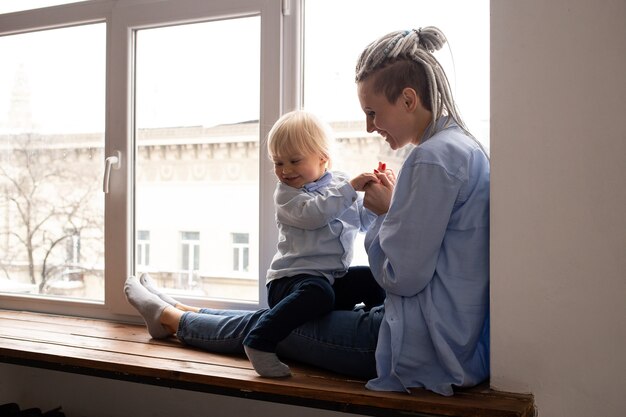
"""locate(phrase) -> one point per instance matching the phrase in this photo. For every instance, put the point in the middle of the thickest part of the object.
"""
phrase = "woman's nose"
(369, 125)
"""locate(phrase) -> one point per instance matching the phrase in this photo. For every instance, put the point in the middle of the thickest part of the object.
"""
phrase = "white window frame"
(280, 92)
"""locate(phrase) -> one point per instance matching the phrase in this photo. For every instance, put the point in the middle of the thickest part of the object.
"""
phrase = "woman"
(428, 249)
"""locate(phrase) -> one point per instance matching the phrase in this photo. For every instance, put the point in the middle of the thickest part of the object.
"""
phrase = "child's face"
(296, 169)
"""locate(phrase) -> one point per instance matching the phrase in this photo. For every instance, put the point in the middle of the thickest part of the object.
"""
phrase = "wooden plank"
(126, 333)
(56, 319)
(125, 351)
(141, 351)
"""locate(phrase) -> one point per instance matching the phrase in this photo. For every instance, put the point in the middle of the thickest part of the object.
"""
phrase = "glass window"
(52, 87)
(198, 148)
(191, 95)
(193, 128)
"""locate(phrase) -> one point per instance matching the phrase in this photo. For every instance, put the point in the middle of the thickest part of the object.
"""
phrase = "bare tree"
(50, 196)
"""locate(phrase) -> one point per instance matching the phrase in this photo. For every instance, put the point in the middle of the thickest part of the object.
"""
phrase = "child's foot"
(267, 364)
(147, 281)
(149, 306)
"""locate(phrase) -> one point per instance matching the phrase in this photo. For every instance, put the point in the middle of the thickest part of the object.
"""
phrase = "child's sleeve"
(366, 216)
(312, 210)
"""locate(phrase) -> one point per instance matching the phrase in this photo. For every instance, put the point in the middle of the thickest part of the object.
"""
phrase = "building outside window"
(241, 251)
(189, 257)
(143, 248)
(51, 227)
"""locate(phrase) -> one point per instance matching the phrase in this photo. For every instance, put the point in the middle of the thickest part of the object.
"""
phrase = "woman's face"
(393, 121)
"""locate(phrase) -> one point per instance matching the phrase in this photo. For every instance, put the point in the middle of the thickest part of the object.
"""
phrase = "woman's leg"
(357, 286)
(219, 333)
(160, 316)
(149, 305)
(146, 280)
(341, 341)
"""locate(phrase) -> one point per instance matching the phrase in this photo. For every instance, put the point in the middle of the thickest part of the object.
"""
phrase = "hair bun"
(430, 38)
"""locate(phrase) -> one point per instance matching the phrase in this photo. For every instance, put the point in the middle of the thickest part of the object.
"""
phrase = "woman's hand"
(391, 176)
(378, 193)
(360, 182)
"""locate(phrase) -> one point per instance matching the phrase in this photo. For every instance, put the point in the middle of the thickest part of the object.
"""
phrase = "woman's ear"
(410, 99)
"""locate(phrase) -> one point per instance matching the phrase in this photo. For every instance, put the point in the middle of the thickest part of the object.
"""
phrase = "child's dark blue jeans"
(298, 299)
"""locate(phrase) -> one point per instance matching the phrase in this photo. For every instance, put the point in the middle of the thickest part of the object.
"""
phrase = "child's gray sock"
(147, 281)
(149, 306)
(266, 364)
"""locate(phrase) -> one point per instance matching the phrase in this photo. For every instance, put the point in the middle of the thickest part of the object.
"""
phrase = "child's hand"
(360, 182)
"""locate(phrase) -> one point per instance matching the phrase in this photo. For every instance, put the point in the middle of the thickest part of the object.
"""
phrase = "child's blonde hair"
(300, 132)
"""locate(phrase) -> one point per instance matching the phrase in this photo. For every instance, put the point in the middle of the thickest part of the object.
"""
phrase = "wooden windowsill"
(125, 352)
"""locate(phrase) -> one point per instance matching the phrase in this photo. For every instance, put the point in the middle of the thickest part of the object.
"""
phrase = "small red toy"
(381, 167)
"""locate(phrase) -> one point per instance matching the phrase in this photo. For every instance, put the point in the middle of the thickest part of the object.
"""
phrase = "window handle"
(111, 162)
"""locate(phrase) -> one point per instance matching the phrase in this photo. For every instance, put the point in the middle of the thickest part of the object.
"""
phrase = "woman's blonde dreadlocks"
(417, 47)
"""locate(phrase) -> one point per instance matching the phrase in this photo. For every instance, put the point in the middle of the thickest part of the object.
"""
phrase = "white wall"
(558, 146)
(87, 396)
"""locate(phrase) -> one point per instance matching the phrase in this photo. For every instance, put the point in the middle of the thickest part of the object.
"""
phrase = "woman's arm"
(404, 245)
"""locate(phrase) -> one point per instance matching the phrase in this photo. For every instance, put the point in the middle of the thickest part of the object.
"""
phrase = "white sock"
(149, 306)
(266, 364)
(147, 281)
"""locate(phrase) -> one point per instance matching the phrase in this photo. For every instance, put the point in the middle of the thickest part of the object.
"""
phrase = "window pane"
(330, 90)
(197, 107)
(190, 235)
(143, 248)
(52, 88)
(240, 238)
